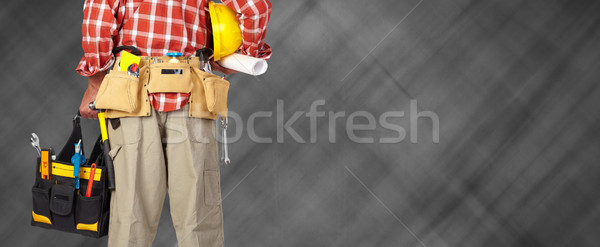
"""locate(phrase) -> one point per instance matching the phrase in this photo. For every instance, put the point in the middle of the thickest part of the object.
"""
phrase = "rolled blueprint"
(245, 64)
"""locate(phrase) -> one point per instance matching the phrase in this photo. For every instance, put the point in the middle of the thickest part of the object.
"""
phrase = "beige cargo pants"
(165, 151)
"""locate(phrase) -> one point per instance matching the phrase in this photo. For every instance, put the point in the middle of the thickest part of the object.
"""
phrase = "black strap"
(77, 119)
(115, 123)
(132, 49)
(68, 149)
(96, 156)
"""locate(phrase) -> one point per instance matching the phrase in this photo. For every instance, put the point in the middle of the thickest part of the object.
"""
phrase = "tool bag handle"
(68, 149)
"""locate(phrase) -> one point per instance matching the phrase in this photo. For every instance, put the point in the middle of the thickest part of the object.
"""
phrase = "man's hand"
(216, 66)
(94, 82)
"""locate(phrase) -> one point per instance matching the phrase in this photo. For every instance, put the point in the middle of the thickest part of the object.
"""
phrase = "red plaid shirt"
(156, 27)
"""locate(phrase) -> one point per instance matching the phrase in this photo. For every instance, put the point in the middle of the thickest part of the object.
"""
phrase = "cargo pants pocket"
(119, 91)
(212, 188)
(200, 130)
(129, 131)
(87, 212)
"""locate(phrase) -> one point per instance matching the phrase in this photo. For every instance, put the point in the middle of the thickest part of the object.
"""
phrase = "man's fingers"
(86, 112)
(92, 115)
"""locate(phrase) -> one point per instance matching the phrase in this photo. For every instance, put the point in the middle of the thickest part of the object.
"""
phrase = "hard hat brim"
(216, 31)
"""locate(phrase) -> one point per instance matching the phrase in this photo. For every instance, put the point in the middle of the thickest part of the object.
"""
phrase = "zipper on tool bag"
(224, 151)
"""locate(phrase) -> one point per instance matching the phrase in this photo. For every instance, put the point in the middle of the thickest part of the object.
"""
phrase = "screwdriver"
(78, 159)
(88, 192)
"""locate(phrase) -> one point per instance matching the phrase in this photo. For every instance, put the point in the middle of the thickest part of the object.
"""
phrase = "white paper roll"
(245, 64)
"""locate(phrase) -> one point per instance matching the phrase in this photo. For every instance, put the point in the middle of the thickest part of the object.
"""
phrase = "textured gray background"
(513, 82)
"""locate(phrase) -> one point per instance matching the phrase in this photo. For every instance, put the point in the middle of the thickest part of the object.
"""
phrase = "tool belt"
(57, 204)
(125, 95)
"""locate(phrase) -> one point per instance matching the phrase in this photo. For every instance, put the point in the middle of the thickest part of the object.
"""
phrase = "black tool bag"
(58, 205)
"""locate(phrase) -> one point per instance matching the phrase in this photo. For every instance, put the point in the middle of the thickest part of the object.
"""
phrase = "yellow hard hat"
(227, 36)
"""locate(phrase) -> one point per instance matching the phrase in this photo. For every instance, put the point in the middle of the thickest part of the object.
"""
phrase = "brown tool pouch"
(209, 95)
(216, 95)
(170, 78)
(123, 95)
(119, 91)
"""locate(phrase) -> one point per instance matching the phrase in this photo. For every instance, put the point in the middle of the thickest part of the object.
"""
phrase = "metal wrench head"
(35, 142)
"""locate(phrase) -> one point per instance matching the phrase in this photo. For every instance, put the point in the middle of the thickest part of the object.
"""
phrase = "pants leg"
(191, 170)
(140, 177)
(193, 180)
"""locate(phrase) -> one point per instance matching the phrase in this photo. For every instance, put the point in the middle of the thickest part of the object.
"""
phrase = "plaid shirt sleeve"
(254, 18)
(101, 22)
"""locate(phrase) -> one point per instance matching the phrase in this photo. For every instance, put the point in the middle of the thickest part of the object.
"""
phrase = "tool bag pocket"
(61, 205)
(170, 78)
(216, 90)
(119, 91)
(61, 199)
(87, 213)
(41, 201)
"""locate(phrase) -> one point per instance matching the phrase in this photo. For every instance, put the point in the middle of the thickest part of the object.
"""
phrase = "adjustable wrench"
(224, 153)
(35, 142)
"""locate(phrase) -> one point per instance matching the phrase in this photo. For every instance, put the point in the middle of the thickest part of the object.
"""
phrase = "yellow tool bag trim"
(40, 218)
(64, 170)
(88, 227)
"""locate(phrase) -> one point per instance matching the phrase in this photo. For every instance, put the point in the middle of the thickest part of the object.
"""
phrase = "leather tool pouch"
(170, 78)
(58, 205)
(209, 95)
(119, 91)
(216, 89)
(123, 95)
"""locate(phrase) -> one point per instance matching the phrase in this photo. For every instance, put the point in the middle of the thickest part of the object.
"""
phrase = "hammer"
(105, 146)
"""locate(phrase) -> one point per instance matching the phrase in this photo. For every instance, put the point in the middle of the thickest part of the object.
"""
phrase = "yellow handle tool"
(105, 147)
(102, 120)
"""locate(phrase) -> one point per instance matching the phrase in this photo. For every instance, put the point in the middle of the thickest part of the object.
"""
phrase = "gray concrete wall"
(514, 85)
